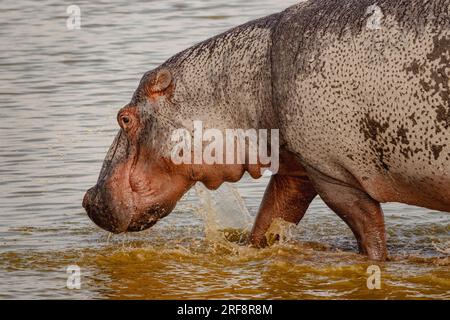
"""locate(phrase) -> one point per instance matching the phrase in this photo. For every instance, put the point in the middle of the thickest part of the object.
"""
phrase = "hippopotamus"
(358, 89)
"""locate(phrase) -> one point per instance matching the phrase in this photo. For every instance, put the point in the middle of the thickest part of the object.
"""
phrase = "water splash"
(224, 213)
(226, 218)
(280, 231)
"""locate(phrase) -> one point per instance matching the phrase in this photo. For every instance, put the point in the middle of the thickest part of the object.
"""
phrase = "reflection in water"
(60, 91)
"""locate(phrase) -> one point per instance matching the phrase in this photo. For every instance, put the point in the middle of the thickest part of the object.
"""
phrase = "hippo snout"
(103, 214)
(89, 196)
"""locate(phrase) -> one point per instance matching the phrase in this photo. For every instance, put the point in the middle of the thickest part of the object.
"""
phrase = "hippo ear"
(162, 81)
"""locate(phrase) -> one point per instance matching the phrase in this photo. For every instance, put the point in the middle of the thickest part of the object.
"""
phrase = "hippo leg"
(359, 211)
(287, 198)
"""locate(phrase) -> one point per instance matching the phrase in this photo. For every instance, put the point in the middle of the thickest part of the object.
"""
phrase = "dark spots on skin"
(415, 68)
(350, 157)
(402, 135)
(440, 78)
(441, 47)
(406, 152)
(412, 117)
(437, 129)
(382, 159)
(438, 83)
(373, 131)
(436, 149)
(443, 116)
(372, 128)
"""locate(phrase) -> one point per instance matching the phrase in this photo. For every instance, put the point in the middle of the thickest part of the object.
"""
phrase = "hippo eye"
(126, 120)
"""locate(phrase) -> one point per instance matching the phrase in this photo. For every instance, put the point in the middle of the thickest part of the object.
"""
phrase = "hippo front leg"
(287, 198)
(358, 210)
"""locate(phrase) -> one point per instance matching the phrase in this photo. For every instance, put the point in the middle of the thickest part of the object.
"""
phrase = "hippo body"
(359, 90)
(369, 107)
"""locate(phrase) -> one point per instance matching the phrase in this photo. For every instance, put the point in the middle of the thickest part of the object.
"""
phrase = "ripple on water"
(199, 268)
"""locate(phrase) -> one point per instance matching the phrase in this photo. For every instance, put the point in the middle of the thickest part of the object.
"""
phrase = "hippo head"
(138, 183)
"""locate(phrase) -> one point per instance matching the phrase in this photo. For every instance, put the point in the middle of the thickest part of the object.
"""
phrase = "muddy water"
(59, 92)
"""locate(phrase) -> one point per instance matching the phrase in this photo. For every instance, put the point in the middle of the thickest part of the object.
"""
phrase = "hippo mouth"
(117, 211)
(118, 219)
(142, 224)
(146, 220)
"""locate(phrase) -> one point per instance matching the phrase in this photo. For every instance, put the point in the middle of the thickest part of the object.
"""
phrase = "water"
(59, 93)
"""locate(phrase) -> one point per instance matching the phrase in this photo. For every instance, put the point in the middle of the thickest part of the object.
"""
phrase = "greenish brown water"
(59, 93)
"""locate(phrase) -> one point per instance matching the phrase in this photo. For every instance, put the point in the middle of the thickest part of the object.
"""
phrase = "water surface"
(60, 91)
